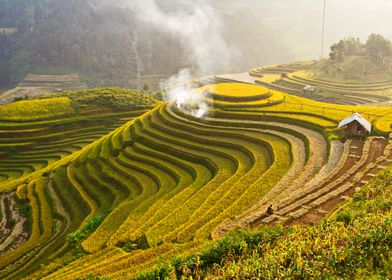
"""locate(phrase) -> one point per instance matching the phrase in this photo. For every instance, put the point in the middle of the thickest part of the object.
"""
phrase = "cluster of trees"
(377, 47)
(106, 45)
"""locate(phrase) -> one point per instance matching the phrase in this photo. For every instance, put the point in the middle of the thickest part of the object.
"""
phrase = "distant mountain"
(106, 45)
(109, 47)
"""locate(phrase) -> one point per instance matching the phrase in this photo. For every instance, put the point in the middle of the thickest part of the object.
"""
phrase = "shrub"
(344, 216)
(90, 226)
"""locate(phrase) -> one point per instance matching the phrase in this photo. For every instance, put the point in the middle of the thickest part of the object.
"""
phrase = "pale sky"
(279, 31)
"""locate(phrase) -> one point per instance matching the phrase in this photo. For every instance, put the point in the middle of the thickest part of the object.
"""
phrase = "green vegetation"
(37, 109)
(90, 226)
(377, 47)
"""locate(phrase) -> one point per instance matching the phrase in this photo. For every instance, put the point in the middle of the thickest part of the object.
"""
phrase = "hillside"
(353, 243)
(344, 83)
(35, 133)
(62, 37)
(160, 183)
(355, 73)
(33, 86)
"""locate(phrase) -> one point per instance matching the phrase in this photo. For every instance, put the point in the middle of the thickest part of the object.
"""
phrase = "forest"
(65, 36)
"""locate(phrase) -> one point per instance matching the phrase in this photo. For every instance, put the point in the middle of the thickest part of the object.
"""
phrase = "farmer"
(270, 211)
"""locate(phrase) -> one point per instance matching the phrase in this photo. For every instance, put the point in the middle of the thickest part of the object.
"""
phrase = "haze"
(293, 27)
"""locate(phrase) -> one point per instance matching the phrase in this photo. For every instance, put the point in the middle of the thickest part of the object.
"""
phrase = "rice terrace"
(280, 172)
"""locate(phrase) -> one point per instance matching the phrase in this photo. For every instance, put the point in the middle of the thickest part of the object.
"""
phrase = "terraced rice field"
(293, 78)
(164, 182)
(33, 86)
(27, 146)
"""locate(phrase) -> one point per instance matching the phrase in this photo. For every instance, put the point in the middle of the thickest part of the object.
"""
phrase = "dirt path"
(59, 208)
(17, 234)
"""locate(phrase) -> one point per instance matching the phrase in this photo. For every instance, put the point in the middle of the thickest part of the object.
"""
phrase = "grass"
(36, 109)
(53, 141)
(235, 91)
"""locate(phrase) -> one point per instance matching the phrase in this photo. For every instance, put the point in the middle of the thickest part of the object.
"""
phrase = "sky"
(250, 33)
(344, 18)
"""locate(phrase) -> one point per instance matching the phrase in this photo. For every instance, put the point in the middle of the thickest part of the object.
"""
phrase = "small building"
(356, 125)
(310, 89)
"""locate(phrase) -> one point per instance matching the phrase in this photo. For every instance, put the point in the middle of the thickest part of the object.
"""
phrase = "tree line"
(377, 48)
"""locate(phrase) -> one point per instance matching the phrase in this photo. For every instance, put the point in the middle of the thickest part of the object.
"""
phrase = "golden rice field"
(293, 78)
(111, 183)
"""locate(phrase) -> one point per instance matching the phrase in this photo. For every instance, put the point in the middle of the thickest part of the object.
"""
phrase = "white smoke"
(180, 92)
(199, 29)
(200, 33)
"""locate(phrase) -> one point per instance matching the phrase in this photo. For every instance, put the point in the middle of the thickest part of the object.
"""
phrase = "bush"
(344, 216)
(90, 226)
(240, 242)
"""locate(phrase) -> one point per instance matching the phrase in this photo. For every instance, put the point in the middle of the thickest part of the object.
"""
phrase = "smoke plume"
(200, 32)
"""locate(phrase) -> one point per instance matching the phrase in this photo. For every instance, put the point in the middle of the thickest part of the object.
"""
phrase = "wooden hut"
(356, 125)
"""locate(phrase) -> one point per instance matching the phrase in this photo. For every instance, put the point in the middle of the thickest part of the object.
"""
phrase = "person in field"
(270, 210)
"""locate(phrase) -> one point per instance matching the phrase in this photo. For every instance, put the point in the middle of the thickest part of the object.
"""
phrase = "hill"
(162, 184)
(342, 83)
(356, 73)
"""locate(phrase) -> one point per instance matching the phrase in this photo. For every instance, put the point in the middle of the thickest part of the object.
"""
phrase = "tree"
(353, 46)
(345, 47)
(338, 51)
(378, 48)
(146, 87)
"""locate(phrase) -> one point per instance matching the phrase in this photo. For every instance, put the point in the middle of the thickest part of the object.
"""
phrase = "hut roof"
(310, 88)
(357, 117)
